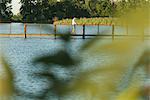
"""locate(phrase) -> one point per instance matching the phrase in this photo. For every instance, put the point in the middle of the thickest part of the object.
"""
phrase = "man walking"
(73, 25)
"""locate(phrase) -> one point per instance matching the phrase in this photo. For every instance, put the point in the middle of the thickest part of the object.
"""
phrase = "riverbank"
(86, 21)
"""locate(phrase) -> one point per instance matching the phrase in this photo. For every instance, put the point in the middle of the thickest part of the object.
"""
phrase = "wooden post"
(55, 29)
(98, 29)
(40, 29)
(25, 31)
(113, 32)
(83, 32)
(10, 28)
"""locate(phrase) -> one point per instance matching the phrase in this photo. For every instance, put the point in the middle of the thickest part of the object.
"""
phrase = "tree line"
(5, 10)
(46, 10)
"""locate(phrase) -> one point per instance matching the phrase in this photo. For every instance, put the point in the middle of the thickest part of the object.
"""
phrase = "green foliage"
(17, 18)
(124, 6)
(34, 10)
(5, 10)
(46, 10)
(100, 8)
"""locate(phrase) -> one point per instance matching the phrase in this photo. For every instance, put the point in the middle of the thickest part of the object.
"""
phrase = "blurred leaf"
(117, 47)
(90, 42)
(61, 58)
(133, 92)
(102, 80)
(6, 80)
(66, 37)
(144, 59)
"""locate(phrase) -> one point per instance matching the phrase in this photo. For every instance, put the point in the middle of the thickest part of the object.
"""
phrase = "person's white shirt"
(73, 21)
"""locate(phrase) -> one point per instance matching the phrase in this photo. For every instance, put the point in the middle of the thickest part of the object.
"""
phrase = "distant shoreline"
(80, 21)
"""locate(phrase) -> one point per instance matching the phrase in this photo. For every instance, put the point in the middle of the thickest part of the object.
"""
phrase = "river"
(21, 52)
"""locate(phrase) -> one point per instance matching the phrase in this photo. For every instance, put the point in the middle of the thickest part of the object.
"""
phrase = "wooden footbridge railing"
(83, 35)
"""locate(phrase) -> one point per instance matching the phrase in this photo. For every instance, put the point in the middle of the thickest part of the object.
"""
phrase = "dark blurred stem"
(148, 77)
(113, 8)
(147, 85)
